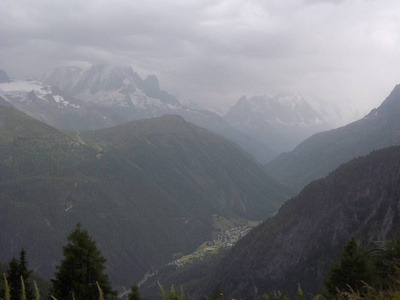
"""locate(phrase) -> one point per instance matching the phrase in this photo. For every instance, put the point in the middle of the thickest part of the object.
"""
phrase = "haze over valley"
(243, 148)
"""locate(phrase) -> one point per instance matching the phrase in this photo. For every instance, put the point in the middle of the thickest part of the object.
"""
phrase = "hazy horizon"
(345, 53)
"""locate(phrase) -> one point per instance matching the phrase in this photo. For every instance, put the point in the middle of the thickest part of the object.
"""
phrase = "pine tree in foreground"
(18, 269)
(134, 294)
(81, 272)
(354, 270)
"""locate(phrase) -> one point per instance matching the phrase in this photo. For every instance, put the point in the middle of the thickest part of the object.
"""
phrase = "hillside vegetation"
(301, 242)
(145, 190)
(298, 245)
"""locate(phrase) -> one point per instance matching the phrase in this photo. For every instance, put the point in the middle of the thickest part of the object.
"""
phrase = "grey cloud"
(212, 51)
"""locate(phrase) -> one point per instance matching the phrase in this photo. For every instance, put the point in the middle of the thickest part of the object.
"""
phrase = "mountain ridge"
(105, 96)
(323, 152)
(282, 120)
(359, 198)
(303, 239)
(158, 185)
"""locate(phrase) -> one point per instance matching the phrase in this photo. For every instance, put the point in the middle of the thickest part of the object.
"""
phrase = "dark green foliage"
(81, 270)
(280, 296)
(388, 264)
(300, 243)
(216, 295)
(354, 270)
(42, 284)
(25, 274)
(155, 182)
(366, 274)
(5, 293)
(173, 294)
(13, 278)
(300, 293)
(134, 294)
(16, 270)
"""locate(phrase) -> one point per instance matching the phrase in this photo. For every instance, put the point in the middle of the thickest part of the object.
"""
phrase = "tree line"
(359, 273)
(79, 276)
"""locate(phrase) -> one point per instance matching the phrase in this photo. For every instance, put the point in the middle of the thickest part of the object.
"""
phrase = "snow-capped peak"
(74, 80)
(65, 78)
(24, 92)
(273, 118)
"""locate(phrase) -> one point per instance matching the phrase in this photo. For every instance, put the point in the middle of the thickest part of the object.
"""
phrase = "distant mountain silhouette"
(281, 121)
(325, 151)
(105, 95)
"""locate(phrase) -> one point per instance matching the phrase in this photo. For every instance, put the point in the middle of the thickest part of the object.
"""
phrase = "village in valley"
(226, 235)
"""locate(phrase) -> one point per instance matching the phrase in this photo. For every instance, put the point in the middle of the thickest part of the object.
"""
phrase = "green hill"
(144, 190)
(301, 242)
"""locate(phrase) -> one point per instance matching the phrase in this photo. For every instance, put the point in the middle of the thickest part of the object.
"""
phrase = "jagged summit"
(4, 77)
(101, 96)
(152, 80)
(242, 101)
(286, 108)
(106, 78)
(392, 102)
(282, 120)
(65, 77)
(101, 77)
(325, 151)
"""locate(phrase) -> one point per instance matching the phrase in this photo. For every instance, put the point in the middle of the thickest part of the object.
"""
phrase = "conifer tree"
(388, 263)
(18, 269)
(81, 270)
(134, 294)
(354, 270)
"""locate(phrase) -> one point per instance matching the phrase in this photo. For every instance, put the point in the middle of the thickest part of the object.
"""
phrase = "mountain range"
(300, 243)
(325, 151)
(151, 188)
(281, 121)
(145, 190)
(103, 96)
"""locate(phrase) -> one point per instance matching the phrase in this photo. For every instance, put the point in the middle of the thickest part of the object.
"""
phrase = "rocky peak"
(4, 77)
(242, 101)
(241, 112)
(392, 102)
(105, 77)
(64, 78)
(31, 96)
(152, 80)
(280, 121)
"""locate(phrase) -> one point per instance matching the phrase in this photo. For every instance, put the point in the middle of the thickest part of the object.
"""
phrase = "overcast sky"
(210, 51)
